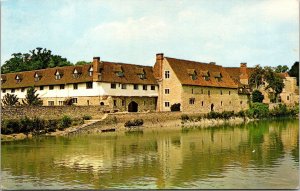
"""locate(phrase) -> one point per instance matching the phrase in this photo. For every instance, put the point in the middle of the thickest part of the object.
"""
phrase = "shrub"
(184, 117)
(65, 122)
(51, 125)
(241, 114)
(25, 125)
(87, 117)
(11, 126)
(136, 122)
(258, 110)
(175, 107)
(213, 115)
(38, 125)
(257, 96)
(227, 114)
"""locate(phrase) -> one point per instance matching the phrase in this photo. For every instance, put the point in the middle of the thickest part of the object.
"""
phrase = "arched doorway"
(132, 107)
(212, 107)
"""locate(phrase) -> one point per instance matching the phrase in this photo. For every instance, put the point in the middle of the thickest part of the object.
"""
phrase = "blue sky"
(227, 32)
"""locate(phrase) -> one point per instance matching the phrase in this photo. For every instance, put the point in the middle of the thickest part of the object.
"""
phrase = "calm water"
(258, 155)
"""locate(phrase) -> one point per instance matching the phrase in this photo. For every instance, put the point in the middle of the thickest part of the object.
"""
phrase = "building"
(112, 86)
(288, 96)
(197, 86)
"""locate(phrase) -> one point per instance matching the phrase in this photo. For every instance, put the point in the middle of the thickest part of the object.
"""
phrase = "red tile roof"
(180, 68)
(47, 76)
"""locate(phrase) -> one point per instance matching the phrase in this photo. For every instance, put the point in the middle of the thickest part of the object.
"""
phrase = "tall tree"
(38, 58)
(294, 71)
(257, 96)
(281, 69)
(274, 82)
(256, 79)
(10, 100)
(32, 98)
(82, 63)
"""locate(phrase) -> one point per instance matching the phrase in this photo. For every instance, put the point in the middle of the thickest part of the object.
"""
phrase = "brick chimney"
(244, 75)
(97, 65)
(158, 67)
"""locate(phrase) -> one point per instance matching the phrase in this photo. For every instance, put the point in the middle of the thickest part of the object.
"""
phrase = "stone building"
(198, 87)
(290, 92)
(115, 86)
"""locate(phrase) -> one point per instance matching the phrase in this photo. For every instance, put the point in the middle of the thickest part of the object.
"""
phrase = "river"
(259, 155)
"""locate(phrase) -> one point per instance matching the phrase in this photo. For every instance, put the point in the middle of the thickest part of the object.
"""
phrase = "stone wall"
(53, 112)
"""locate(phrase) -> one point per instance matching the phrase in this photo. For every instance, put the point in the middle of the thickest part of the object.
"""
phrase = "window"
(115, 103)
(88, 102)
(76, 73)
(229, 102)
(3, 90)
(221, 103)
(123, 86)
(241, 102)
(12, 90)
(57, 76)
(113, 86)
(41, 87)
(51, 87)
(206, 78)
(194, 76)
(208, 92)
(74, 100)
(18, 79)
(60, 102)
(22, 89)
(167, 91)
(51, 103)
(192, 101)
(167, 104)
(120, 73)
(287, 97)
(229, 92)
(89, 85)
(152, 87)
(167, 74)
(123, 102)
(142, 76)
(144, 102)
(101, 103)
(75, 86)
(144, 87)
(62, 86)
(201, 91)
(192, 91)
(135, 86)
(202, 103)
(91, 71)
(221, 92)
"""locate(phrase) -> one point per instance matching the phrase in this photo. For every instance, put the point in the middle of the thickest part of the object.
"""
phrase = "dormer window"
(206, 75)
(58, 75)
(192, 73)
(37, 77)
(118, 71)
(218, 76)
(141, 73)
(77, 72)
(91, 70)
(18, 78)
(3, 79)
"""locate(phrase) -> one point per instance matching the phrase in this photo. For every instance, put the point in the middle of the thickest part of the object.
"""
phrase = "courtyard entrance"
(132, 107)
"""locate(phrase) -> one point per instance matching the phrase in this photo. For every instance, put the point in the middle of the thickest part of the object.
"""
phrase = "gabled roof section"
(179, 67)
(130, 73)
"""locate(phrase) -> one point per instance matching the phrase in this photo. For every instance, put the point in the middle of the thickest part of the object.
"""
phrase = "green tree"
(274, 83)
(256, 79)
(10, 100)
(32, 98)
(82, 63)
(281, 69)
(257, 96)
(38, 58)
(294, 71)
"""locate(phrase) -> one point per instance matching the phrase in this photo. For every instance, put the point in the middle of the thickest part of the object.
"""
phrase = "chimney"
(244, 75)
(158, 67)
(97, 65)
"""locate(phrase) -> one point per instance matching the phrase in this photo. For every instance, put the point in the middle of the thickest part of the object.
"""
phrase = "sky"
(227, 32)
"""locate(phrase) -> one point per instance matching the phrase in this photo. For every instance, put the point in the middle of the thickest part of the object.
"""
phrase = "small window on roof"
(206, 75)
(58, 74)
(37, 76)
(218, 76)
(18, 78)
(141, 73)
(192, 73)
(91, 71)
(119, 70)
(3, 79)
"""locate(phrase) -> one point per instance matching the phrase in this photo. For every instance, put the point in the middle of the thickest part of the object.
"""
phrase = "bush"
(241, 114)
(11, 126)
(257, 96)
(65, 122)
(258, 110)
(136, 122)
(227, 114)
(25, 125)
(175, 107)
(184, 117)
(51, 125)
(213, 115)
(87, 117)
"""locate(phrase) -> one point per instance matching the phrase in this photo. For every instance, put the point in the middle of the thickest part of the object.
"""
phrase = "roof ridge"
(192, 61)
(125, 64)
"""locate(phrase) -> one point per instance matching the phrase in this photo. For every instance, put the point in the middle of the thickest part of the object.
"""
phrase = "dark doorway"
(212, 107)
(133, 107)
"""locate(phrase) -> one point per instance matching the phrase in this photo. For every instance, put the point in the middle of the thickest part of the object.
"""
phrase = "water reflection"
(194, 158)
